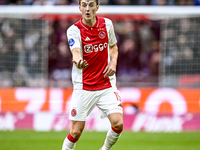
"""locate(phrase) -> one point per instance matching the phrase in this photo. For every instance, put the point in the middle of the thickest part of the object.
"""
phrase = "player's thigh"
(110, 102)
(82, 103)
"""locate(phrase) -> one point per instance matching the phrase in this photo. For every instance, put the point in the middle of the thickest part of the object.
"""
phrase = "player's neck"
(90, 22)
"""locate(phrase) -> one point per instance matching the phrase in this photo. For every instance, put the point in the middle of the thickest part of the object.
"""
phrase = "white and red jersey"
(94, 43)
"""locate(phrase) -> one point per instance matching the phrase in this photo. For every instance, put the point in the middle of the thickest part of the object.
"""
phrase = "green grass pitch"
(30, 140)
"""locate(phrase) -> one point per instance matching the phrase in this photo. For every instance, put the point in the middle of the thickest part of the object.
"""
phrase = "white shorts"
(83, 102)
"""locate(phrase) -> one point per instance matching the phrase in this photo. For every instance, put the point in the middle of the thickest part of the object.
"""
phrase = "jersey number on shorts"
(117, 96)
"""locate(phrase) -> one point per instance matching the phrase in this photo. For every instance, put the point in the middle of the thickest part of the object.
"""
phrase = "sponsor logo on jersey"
(71, 42)
(87, 39)
(102, 34)
(90, 48)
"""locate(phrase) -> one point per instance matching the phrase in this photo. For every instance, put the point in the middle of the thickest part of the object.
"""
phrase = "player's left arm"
(111, 67)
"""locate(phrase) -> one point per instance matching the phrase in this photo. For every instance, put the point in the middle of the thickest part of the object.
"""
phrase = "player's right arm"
(77, 59)
(73, 35)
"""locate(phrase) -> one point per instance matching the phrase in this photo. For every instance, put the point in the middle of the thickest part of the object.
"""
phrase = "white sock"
(68, 145)
(111, 138)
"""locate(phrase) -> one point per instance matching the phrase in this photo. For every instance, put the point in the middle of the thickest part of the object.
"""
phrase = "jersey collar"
(89, 27)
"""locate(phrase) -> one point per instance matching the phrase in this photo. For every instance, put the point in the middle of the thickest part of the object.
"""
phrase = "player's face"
(88, 9)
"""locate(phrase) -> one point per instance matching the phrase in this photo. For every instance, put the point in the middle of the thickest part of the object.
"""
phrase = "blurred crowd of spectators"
(22, 51)
(180, 44)
(138, 43)
(60, 58)
(102, 2)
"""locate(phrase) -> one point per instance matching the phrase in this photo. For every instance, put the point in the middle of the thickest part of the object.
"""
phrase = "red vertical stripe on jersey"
(95, 52)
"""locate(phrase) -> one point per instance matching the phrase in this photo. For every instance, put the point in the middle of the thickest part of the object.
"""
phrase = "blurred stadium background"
(158, 71)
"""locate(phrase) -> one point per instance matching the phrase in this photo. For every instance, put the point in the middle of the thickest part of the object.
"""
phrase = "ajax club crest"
(102, 34)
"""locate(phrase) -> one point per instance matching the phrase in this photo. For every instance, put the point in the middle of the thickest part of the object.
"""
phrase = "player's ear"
(97, 8)
(79, 7)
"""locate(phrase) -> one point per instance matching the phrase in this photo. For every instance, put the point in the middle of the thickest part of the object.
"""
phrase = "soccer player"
(93, 45)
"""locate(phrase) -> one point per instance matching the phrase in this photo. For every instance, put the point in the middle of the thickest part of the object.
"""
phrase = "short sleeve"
(73, 35)
(111, 33)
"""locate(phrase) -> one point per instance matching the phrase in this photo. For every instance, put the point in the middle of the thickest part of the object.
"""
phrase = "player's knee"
(76, 133)
(116, 121)
(118, 125)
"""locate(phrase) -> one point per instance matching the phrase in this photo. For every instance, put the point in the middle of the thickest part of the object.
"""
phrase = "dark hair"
(95, 0)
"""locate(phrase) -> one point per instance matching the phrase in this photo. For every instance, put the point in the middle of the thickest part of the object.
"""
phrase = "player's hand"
(81, 64)
(110, 69)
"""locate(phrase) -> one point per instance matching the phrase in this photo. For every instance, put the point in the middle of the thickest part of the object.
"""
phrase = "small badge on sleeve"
(71, 42)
